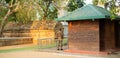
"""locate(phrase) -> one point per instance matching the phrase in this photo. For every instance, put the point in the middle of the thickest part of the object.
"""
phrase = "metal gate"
(50, 44)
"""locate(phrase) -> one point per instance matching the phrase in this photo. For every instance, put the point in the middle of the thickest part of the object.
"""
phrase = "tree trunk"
(3, 22)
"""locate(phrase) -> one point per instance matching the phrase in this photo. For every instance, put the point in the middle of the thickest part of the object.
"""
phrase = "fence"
(49, 42)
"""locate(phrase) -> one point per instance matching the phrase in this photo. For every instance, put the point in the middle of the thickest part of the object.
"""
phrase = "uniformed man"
(59, 39)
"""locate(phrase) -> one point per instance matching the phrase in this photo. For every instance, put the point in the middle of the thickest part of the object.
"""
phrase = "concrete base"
(107, 52)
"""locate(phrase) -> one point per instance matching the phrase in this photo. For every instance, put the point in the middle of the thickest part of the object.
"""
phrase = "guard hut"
(90, 29)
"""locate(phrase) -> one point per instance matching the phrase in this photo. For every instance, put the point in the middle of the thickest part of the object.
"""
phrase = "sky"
(88, 1)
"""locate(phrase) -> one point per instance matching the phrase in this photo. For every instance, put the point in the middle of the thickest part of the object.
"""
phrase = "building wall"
(65, 26)
(42, 34)
(34, 34)
(16, 37)
(83, 35)
(65, 31)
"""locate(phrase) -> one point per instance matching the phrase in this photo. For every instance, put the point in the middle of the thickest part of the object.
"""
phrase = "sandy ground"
(39, 54)
(16, 46)
(48, 53)
(32, 54)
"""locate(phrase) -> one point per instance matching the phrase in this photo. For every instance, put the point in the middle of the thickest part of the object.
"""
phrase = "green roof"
(86, 12)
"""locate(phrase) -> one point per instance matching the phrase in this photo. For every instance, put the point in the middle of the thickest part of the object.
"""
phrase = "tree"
(60, 5)
(110, 5)
(95, 2)
(27, 11)
(11, 7)
(47, 8)
(3, 11)
(74, 4)
(30, 10)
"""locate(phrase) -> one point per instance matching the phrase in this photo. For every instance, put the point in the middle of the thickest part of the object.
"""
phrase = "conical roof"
(86, 12)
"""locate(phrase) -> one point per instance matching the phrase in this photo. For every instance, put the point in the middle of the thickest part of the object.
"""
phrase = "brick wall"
(83, 35)
(42, 34)
(34, 34)
(16, 37)
(7, 41)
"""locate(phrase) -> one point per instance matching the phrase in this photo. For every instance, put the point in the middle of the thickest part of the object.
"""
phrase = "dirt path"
(16, 46)
(38, 54)
(32, 54)
(46, 53)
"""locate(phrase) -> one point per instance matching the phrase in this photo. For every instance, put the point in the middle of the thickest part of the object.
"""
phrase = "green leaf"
(7, 1)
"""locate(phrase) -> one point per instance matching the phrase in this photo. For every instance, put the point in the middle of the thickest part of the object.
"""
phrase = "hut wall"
(83, 35)
(107, 34)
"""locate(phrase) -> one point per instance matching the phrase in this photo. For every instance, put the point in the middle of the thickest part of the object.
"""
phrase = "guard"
(59, 39)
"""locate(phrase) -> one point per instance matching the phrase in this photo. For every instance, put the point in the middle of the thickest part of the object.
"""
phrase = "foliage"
(11, 7)
(26, 11)
(95, 2)
(48, 10)
(5, 6)
(60, 3)
(3, 11)
(110, 5)
(74, 4)
(30, 10)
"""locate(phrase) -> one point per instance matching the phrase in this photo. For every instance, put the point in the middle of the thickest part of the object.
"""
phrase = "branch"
(55, 5)
(41, 7)
(47, 8)
(16, 7)
(49, 2)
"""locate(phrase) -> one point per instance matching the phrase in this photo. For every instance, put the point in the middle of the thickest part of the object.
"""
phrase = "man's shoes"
(57, 49)
(61, 49)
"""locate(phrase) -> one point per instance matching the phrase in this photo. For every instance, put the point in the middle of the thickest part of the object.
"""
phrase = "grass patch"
(32, 47)
(18, 49)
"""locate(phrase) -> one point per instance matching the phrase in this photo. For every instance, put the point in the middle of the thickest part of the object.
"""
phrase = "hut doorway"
(102, 31)
(117, 34)
(108, 35)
